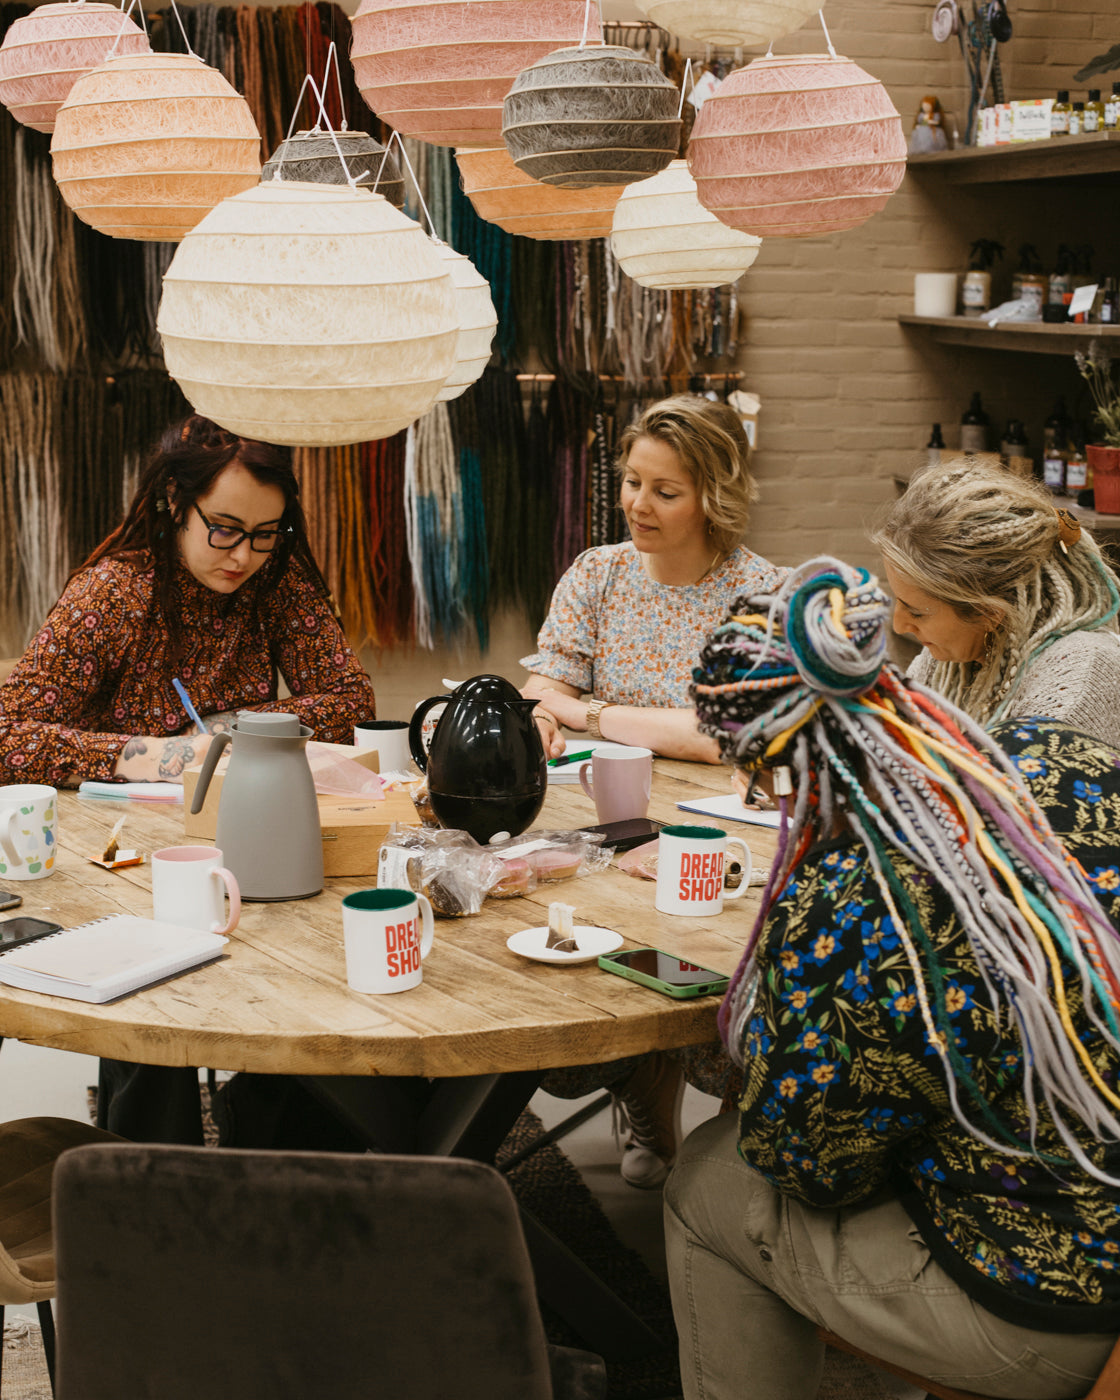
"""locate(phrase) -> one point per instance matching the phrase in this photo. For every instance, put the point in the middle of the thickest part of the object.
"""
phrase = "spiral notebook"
(107, 958)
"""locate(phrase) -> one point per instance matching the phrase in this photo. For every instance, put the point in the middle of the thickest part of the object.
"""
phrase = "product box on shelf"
(353, 827)
(1030, 121)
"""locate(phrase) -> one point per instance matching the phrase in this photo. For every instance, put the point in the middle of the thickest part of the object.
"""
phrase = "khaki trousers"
(753, 1273)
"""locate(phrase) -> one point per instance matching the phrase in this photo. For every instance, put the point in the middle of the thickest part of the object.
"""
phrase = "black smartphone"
(24, 929)
(10, 900)
(624, 836)
(664, 972)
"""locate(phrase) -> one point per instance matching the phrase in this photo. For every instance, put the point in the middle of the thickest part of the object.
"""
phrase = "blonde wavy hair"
(987, 543)
(711, 442)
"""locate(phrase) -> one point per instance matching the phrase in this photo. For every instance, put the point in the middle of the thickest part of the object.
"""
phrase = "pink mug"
(620, 781)
(189, 887)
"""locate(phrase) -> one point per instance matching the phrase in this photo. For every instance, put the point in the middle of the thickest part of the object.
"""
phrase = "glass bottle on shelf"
(974, 427)
(935, 446)
(1054, 434)
(1094, 111)
(1013, 451)
(1110, 303)
(1112, 109)
(1077, 119)
(1059, 115)
(1077, 467)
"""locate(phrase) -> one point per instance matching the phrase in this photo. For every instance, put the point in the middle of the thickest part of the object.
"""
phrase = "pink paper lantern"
(438, 70)
(46, 52)
(797, 145)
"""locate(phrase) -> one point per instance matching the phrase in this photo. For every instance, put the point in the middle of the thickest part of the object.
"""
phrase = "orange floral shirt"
(615, 633)
(100, 669)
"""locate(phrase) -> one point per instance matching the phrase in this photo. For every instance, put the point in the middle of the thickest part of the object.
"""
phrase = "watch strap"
(594, 709)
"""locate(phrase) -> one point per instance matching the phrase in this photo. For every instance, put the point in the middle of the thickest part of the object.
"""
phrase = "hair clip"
(1069, 528)
(162, 506)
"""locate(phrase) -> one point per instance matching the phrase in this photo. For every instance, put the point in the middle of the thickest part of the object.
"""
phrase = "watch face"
(945, 20)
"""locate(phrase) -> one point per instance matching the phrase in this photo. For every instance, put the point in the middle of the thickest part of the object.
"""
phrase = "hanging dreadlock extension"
(799, 679)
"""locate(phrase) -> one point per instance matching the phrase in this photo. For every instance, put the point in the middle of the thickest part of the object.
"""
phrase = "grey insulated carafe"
(268, 818)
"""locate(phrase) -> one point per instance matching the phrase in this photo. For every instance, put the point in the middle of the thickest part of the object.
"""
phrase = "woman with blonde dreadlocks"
(927, 1156)
(1009, 597)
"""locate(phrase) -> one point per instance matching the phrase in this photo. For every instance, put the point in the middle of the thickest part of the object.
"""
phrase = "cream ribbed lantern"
(477, 322)
(439, 69)
(739, 22)
(502, 195)
(45, 52)
(663, 236)
(797, 145)
(144, 146)
(592, 116)
(313, 157)
(309, 315)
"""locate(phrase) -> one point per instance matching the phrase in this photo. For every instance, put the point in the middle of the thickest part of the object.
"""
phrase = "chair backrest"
(281, 1275)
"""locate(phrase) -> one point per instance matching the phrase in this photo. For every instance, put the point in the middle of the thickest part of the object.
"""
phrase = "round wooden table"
(279, 1002)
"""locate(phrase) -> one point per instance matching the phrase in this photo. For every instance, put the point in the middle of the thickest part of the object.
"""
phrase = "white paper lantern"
(46, 52)
(477, 322)
(309, 315)
(144, 146)
(738, 22)
(663, 236)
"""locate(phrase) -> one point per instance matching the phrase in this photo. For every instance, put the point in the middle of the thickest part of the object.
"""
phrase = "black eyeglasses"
(229, 536)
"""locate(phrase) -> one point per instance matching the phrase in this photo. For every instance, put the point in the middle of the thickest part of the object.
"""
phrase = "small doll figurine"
(929, 128)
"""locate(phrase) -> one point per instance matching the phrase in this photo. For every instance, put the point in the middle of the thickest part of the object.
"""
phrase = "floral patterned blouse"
(100, 669)
(615, 633)
(845, 1097)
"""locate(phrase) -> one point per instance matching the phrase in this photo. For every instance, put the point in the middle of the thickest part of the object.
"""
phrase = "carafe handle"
(209, 763)
(416, 729)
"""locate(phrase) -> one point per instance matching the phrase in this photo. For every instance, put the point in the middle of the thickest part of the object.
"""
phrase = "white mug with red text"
(691, 863)
(189, 888)
(387, 934)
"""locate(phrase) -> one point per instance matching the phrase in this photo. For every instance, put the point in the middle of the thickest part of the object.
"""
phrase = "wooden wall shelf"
(1056, 159)
(1034, 336)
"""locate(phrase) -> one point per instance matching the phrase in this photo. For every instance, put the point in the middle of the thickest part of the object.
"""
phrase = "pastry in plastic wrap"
(515, 880)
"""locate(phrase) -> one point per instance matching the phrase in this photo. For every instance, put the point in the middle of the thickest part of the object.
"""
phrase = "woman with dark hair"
(210, 579)
(927, 1153)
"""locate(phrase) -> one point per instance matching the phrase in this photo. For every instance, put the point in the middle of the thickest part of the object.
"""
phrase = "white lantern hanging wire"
(477, 318)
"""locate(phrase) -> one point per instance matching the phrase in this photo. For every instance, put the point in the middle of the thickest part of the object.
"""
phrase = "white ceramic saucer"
(591, 941)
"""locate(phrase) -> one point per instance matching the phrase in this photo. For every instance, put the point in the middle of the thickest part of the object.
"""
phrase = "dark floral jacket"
(845, 1098)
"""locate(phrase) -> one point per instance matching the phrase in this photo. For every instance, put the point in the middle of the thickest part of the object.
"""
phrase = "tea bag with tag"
(560, 936)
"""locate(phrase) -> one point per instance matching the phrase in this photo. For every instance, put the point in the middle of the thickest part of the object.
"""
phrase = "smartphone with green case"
(664, 972)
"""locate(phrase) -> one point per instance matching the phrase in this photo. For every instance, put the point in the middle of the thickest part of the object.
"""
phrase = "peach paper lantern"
(45, 52)
(477, 322)
(663, 237)
(439, 69)
(309, 315)
(797, 145)
(145, 145)
(503, 195)
(738, 22)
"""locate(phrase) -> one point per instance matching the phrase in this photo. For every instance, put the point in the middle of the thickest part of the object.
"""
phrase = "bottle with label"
(1077, 468)
(935, 446)
(1094, 111)
(1013, 452)
(1110, 303)
(1112, 109)
(1054, 434)
(1059, 115)
(1077, 119)
(974, 427)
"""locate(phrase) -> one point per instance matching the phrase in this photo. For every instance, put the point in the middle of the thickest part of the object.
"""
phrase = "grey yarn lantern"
(312, 157)
(592, 116)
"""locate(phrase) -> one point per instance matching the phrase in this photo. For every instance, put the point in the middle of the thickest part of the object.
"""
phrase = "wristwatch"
(594, 709)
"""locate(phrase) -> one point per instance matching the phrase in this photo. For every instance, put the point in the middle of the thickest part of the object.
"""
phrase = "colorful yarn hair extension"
(800, 677)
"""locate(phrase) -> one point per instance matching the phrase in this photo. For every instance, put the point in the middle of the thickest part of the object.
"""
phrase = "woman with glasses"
(210, 581)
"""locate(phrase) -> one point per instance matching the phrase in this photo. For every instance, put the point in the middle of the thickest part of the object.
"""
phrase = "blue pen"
(192, 713)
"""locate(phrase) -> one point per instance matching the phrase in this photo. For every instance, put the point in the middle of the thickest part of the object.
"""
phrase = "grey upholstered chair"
(242, 1275)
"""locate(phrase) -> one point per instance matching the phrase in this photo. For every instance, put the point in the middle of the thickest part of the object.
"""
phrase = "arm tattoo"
(177, 754)
(134, 746)
(220, 723)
